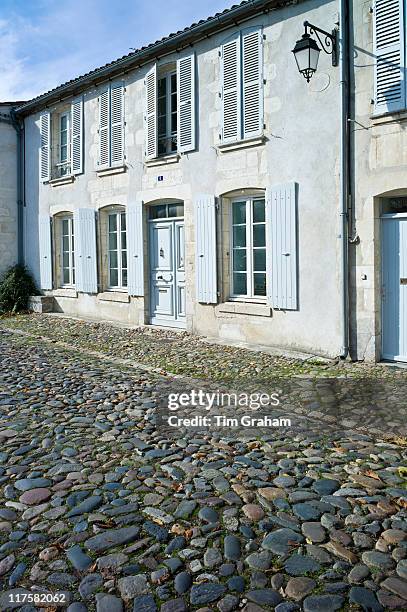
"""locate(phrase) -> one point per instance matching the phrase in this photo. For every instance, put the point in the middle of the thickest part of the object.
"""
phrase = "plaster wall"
(8, 192)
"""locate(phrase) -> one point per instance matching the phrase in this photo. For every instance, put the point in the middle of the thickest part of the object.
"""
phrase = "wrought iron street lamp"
(307, 50)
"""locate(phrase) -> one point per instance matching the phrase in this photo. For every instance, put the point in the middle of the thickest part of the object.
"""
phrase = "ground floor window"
(68, 252)
(117, 250)
(248, 235)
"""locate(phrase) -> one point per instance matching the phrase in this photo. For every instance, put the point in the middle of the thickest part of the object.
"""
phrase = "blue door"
(394, 287)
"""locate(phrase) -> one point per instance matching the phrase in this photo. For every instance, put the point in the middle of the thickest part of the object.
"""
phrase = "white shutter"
(117, 123)
(205, 238)
(45, 152)
(252, 49)
(44, 238)
(281, 243)
(104, 128)
(85, 250)
(186, 103)
(231, 89)
(77, 136)
(151, 113)
(135, 248)
(390, 84)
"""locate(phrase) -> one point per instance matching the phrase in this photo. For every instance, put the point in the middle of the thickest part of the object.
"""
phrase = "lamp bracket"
(328, 40)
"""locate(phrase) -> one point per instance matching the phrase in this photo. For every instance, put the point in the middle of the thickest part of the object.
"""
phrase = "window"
(68, 252)
(242, 85)
(165, 211)
(248, 248)
(64, 138)
(117, 250)
(167, 113)
(170, 108)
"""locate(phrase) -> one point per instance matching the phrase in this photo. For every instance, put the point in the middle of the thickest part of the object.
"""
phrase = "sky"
(44, 43)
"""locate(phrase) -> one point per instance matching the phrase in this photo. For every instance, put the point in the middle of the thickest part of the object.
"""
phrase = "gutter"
(344, 173)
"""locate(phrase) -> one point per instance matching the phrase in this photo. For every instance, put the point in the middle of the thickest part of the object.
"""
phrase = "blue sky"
(46, 42)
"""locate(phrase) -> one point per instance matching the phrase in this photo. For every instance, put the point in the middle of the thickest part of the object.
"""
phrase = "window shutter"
(151, 113)
(85, 253)
(117, 123)
(77, 136)
(252, 47)
(45, 155)
(44, 237)
(281, 227)
(230, 77)
(186, 103)
(390, 85)
(205, 228)
(135, 248)
(104, 128)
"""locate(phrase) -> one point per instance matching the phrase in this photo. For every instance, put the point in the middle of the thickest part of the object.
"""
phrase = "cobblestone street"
(97, 503)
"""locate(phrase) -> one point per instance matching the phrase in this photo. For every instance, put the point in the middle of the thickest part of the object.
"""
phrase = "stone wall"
(8, 191)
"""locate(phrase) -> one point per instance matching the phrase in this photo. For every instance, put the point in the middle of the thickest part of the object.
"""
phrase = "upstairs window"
(248, 248)
(390, 86)
(64, 141)
(170, 108)
(242, 85)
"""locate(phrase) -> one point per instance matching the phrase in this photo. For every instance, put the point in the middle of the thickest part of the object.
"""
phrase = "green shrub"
(15, 288)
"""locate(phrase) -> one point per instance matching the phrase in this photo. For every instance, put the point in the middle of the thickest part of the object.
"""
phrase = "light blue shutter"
(150, 84)
(252, 85)
(104, 128)
(44, 238)
(281, 242)
(186, 103)
(135, 248)
(45, 150)
(117, 123)
(389, 50)
(85, 250)
(205, 238)
(231, 89)
(77, 136)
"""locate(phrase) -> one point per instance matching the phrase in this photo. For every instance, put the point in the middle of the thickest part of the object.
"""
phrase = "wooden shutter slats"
(45, 248)
(205, 238)
(151, 113)
(85, 250)
(77, 136)
(186, 103)
(135, 248)
(45, 147)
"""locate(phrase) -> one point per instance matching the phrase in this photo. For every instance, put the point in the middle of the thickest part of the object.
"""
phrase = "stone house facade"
(201, 183)
(8, 189)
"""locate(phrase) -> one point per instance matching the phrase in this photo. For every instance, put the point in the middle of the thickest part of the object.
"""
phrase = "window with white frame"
(68, 252)
(117, 250)
(248, 248)
(63, 163)
(167, 113)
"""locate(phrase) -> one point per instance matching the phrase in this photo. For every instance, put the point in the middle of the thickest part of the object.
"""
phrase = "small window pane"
(65, 227)
(239, 212)
(173, 83)
(64, 120)
(66, 276)
(124, 278)
(161, 87)
(112, 242)
(259, 235)
(162, 126)
(65, 243)
(259, 284)
(258, 211)
(112, 223)
(123, 221)
(65, 260)
(239, 283)
(239, 260)
(113, 259)
(259, 260)
(158, 212)
(124, 259)
(239, 236)
(175, 210)
(173, 123)
(124, 240)
(114, 278)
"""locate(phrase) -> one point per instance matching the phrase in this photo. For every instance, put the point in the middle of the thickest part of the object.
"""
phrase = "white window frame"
(168, 135)
(71, 251)
(64, 164)
(249, 296)
(120, 286)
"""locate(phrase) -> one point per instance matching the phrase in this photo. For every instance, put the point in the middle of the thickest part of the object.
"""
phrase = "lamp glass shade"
(306, 53)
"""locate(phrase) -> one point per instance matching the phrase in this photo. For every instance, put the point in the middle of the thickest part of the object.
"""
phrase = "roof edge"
(171, 43)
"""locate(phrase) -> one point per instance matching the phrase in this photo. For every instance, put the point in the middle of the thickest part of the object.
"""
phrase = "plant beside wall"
(16, 286)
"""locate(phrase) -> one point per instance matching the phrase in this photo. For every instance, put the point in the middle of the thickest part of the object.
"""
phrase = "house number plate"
(403, 281)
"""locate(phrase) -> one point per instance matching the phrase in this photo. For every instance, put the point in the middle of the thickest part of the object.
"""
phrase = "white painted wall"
(302, 130)
(8, 193)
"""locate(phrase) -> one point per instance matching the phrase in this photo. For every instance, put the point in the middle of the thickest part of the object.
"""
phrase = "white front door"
(394, 287)
(167, 273)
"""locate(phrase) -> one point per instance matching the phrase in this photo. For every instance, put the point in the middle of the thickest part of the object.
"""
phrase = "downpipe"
(344, 174)
(19, 128)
